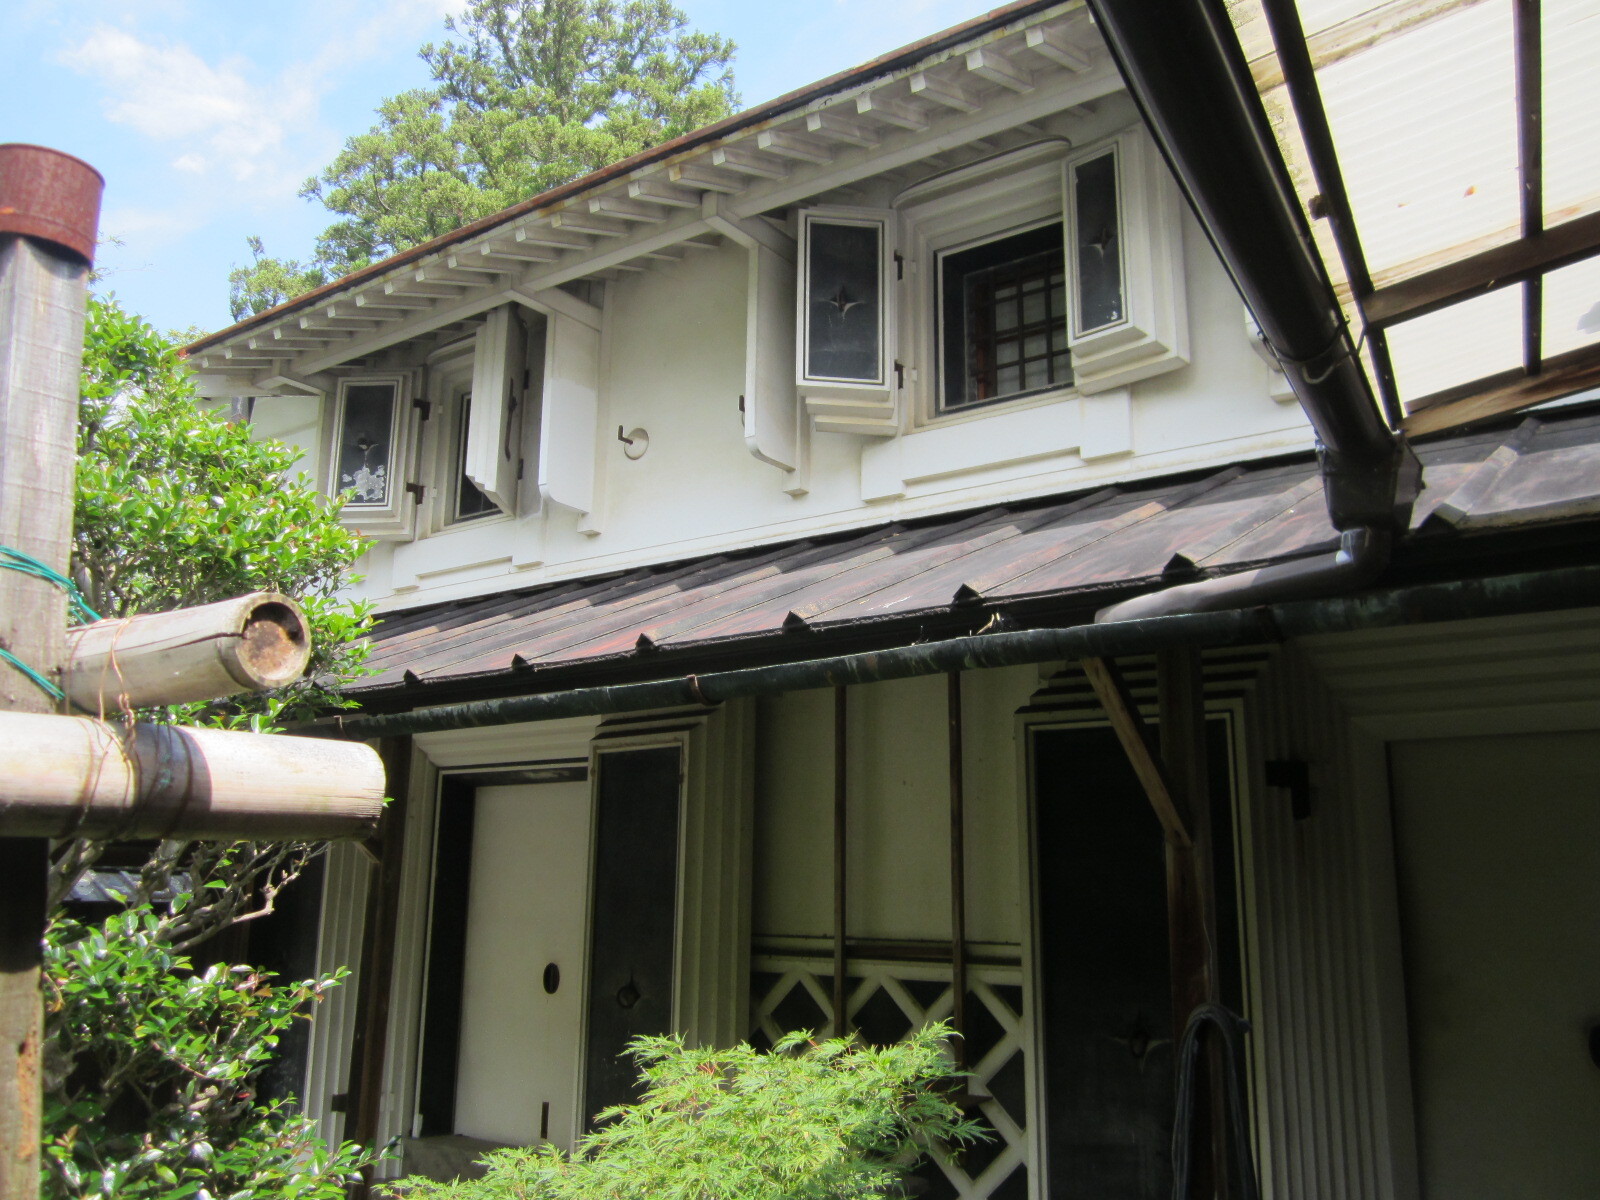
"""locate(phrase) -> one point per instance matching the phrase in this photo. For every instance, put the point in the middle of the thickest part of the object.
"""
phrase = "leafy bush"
(831, 1120)
(176, 505)
(151, 1069)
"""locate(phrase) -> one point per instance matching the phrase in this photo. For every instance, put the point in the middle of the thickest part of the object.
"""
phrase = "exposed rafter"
(960, 95)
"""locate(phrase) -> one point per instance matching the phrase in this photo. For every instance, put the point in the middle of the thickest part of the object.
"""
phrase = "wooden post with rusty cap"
(1175, 779)
(49, 214)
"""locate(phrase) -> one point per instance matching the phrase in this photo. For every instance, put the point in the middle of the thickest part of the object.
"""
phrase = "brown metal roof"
(1048, 562)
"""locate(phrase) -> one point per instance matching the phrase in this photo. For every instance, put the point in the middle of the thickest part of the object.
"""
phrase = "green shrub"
(151, 1070)
(830, 1120)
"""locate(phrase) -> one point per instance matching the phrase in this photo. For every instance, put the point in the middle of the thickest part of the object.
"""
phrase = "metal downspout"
(1186, 71)
(1362, 555)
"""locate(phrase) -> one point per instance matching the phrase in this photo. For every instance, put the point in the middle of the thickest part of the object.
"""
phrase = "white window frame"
(1152, 335)
(849, 405)
(395, 519)
(937, 367)
(449, 390)
(1023, 189)
(963, 209)
(492, 451)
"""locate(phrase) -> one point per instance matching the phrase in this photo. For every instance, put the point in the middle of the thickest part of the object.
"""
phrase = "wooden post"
(364, 1086)
(841, 842)
(1128, 725)
(1191, 896)
(1177, 784)
(958, 872)
(49, 209)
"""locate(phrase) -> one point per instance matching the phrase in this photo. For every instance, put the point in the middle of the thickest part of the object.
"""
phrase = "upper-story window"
(441, 442)
(469, 502)
(371, 444)
(1042, 273)
(1003, 319)
(369, 417)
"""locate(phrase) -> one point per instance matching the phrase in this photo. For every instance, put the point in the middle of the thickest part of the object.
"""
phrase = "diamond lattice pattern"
(886, 1002)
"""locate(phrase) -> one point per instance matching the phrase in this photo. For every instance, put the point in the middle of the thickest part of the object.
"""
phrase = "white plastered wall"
(673, 364)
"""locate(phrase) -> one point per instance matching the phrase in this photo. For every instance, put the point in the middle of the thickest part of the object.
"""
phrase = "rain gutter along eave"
(1452, 600)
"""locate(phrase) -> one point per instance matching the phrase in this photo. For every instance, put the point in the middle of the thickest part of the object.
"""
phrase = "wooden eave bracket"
(1129, 726)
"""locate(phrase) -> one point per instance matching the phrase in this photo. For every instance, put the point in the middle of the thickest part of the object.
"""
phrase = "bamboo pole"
(49, 205)
(251, 643)
(79, 777)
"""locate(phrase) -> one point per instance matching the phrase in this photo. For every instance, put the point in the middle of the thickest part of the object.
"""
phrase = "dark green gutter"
(1458, 600)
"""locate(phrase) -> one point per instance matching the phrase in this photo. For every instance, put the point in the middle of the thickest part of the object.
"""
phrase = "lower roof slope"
(1044, 563)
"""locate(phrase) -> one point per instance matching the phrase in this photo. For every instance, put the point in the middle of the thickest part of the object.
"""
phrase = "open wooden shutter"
(570, 416)
(845, 322)
(499, 389)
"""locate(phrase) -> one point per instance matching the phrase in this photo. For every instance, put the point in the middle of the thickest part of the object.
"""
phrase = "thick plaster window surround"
(371, 444)
(1076, 429)
(448, 388)
(845, 365)
(451, 543)
(547, 380)
(1136, 250)
(962, 209)
(1086, 420)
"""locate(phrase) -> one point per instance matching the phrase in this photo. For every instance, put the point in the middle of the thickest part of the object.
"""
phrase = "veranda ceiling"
(1448, 155)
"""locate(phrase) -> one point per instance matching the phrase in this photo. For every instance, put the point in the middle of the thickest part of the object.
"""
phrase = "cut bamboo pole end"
(251, 643)
(79, 777)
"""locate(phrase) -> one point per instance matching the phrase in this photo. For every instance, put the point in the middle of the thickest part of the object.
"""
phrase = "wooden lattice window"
(1003, 319)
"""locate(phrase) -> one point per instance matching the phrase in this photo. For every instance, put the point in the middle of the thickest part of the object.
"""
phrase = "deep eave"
(884, 65)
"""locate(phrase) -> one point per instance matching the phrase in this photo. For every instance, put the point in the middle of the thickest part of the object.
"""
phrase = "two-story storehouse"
(743, 515)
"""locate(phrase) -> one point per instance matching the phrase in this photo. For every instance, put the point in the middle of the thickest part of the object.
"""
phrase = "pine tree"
(527, 94)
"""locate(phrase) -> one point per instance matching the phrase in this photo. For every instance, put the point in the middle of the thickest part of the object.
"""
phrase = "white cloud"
(222, 121)
(134, 223)
(229, 120)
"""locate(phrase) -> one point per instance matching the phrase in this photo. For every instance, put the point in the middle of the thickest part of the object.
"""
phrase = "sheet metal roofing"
(1043, 563)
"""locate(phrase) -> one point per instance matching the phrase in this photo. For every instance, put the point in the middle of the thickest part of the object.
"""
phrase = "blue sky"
(205, 116)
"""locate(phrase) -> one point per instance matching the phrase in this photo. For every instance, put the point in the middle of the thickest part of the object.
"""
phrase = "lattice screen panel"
(885, 1002)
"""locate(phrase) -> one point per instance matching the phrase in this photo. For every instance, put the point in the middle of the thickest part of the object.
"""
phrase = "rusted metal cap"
(49, 195)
